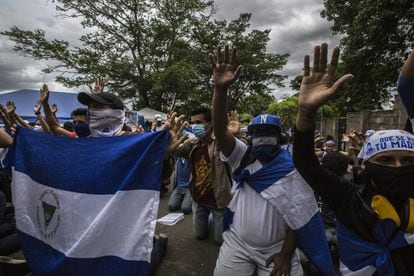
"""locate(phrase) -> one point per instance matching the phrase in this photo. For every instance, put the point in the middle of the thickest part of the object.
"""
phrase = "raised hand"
(44, 94)
(37, 108)
(317, 88)
(233, 125)
(54, 108)
(10, 107)
(225, 67)
(99, 86)
(176, 126)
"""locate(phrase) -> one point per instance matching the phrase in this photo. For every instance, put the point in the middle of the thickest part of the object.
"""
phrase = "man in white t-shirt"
(271, 203)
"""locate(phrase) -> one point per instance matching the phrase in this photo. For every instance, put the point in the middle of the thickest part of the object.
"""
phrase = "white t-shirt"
(255, 220)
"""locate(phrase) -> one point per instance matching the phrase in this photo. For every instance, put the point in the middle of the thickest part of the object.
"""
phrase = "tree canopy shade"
(377, 35)
(154, 53)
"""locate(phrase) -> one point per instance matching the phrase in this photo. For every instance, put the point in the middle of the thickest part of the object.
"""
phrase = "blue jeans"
(200, 222)
(180, 197)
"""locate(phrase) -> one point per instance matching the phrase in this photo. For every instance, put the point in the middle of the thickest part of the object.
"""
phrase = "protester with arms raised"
(374, 220)
(263, 209)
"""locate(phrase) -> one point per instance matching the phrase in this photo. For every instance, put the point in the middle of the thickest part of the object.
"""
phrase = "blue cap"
(265, 120)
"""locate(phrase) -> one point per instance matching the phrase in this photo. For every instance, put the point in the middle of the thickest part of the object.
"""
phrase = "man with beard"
(375, 220)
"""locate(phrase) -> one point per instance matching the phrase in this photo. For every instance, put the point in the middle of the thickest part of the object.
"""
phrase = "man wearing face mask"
(375, 219)
(80, 121)
(271, 203)
(106, 119)
(106, 113)
(209, 180)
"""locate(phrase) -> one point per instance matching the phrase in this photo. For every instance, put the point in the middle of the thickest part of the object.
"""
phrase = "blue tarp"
(25, 99)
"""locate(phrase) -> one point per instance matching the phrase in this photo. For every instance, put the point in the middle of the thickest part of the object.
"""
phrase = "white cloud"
(296, 28)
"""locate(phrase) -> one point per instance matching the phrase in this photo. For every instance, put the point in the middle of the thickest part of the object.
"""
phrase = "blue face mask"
(199, 130)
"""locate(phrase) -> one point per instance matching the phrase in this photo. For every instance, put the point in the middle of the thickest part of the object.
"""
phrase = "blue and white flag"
(359, 256)
(87, 206)
(282, 185)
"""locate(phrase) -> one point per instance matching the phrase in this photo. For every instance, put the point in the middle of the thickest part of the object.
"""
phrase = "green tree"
(153, 53)
(376, 37)
(286, 109)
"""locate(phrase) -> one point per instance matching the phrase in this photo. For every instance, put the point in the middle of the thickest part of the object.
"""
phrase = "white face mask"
(105, 122)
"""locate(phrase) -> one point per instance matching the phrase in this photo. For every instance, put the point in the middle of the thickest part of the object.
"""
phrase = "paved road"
(185, 255)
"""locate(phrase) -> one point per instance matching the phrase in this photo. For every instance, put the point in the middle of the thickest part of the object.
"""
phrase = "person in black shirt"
(375, 219)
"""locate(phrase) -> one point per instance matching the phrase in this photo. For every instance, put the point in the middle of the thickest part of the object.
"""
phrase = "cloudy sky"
(296, 27)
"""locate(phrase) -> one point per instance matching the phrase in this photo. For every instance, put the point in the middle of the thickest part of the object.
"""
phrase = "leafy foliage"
(376, 38)
(154, 53)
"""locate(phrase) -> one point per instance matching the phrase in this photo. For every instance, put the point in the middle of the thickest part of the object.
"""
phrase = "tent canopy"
(149, 113)
(25, 100)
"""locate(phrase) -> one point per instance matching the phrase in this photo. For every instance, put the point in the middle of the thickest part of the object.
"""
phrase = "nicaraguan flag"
(87, 206)
(282, 185)
(360, 257)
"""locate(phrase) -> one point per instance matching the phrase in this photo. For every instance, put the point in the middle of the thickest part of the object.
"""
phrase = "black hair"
(69, 126)
(202, 111)
(335, 162)
(329, 138)
(79, 112)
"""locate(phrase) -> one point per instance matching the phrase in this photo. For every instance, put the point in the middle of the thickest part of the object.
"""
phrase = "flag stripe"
(291, 195)
(89, 165)
(87, 225)
(44, 260)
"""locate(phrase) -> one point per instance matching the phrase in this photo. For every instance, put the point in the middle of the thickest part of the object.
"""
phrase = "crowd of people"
(266, 195)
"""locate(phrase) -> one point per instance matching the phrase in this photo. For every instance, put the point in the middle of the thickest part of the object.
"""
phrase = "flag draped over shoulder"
(87, 206)
(282, 185)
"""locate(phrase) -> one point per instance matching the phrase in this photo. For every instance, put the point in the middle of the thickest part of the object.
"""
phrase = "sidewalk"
(186, 256)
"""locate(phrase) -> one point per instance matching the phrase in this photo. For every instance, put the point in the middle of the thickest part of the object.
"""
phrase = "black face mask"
(396, 184)
(82, 130)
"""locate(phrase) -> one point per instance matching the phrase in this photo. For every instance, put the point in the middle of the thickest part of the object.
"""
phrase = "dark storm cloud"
(296, 27)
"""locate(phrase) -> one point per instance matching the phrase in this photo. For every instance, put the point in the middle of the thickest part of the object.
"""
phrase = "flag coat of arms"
(86, 206)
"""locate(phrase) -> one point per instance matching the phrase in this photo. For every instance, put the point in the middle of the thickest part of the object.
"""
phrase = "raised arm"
(49, 114)
(225, 72)
(39, 116)
(405, 85)
(408, 68)
(4, 116)
(10, 111)
(5, 139)
(316, 89)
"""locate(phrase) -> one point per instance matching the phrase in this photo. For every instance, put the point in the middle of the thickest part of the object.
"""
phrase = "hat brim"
(251, 127)
(86, 98)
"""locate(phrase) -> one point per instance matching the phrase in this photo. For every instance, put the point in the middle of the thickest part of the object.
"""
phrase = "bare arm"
(225, 72)
(22, 122)
(49, 114)
(282, 260)
(5, 117)
(39, 116)
(10, 111)
(408, 67)
(5, 139)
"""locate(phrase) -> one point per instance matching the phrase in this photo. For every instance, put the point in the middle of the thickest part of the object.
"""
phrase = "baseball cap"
(102, 98)
(265, 120)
